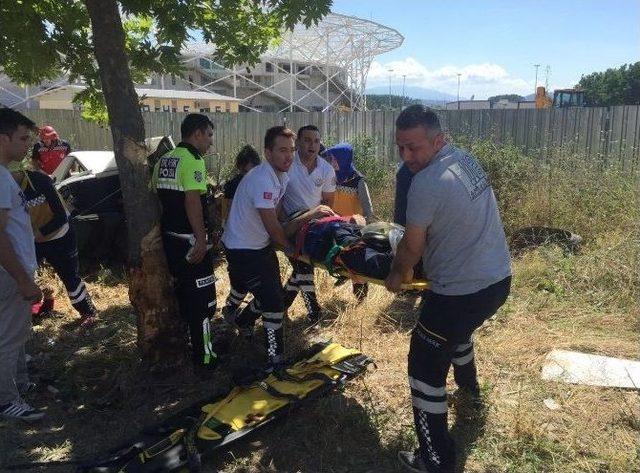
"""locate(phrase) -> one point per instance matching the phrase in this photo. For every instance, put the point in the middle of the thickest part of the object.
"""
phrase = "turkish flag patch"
(267, 195)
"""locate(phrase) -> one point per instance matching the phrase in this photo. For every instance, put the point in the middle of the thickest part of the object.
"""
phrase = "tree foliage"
(509, 97)
(42, 39)
(619, 86)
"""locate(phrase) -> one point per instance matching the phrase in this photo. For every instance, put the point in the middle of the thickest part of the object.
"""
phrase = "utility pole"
(459, 90)
(535, 87)
(404, 77)
(546, 78)
(390, 71)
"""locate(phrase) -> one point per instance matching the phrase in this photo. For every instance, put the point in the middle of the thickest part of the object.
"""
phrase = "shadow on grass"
(109, 274)
(104, 397)
(401, 314)
(332, 434)
(94, 391)
(468, 427)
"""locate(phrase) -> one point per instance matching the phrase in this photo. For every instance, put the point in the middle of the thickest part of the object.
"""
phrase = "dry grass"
(105, 398)
(585, 302)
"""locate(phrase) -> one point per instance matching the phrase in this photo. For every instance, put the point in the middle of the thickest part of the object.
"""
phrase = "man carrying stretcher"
(249, 235)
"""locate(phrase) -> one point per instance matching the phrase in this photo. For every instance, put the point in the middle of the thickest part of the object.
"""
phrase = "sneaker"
(87, 321)
(412, 461)
(20, 410)
(230, 317)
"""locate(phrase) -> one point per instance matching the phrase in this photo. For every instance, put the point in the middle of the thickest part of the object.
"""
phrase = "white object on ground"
(551, 404)
(592, 370)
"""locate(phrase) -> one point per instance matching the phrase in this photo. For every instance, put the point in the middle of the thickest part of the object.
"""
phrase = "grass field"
(586, 302)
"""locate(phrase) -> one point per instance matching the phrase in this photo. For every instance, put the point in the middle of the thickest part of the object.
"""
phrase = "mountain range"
(427, 96)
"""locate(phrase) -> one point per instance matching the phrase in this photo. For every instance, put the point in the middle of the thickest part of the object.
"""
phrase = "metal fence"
(609, 134)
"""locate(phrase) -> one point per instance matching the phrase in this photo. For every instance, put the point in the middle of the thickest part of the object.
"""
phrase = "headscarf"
(343, 152)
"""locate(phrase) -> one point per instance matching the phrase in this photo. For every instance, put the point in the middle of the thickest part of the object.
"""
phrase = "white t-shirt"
(18, 227)
(305, 188)
(260, 188)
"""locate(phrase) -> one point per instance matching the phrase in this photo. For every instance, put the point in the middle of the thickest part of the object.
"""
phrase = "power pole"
(546, 78)
(535, 87)
(404, 77)
(390, 71)
(459, 90)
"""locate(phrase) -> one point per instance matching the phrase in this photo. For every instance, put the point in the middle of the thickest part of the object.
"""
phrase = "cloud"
(481, 80)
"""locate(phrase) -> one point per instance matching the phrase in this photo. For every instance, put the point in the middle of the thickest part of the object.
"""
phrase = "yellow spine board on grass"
(247, 406)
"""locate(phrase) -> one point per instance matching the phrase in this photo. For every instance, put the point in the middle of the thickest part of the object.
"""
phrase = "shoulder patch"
(197, 175)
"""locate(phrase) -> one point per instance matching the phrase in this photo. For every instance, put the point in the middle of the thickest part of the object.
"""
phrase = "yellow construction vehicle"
(561, 98)
(542, 100)
(569, 98)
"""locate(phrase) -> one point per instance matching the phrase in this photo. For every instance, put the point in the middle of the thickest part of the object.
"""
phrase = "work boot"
(200, 367)
(412, 461)
(229, 314)
(470, 396)
(246, 332)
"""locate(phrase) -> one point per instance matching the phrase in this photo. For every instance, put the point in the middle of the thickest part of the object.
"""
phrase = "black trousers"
(302, 281)
(194, 286)
(258, 272)
(62, 255)
(443, 336)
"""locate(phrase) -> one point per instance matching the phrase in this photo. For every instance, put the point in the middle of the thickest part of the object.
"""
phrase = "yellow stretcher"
(415, 285)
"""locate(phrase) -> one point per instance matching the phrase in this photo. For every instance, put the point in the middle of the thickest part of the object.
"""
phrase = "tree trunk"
(161, 333)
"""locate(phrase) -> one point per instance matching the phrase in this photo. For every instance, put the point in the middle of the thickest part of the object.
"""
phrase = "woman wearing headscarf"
(352, 194)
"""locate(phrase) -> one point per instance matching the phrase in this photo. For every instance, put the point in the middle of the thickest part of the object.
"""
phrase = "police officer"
(453, 224)
(180, 179)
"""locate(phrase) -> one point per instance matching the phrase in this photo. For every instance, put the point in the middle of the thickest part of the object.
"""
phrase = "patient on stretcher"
(346, 243)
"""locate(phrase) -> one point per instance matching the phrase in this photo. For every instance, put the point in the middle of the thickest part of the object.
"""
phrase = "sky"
(494, 44)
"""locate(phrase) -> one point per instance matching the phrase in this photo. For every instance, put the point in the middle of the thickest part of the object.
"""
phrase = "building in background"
(321, 68)
(487, 105)
(151, 100)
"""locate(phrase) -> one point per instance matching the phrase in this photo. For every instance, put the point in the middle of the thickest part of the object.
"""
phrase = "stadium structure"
(320, 68)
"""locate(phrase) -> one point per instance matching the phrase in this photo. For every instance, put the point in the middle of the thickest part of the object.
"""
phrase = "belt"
(190, 237)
